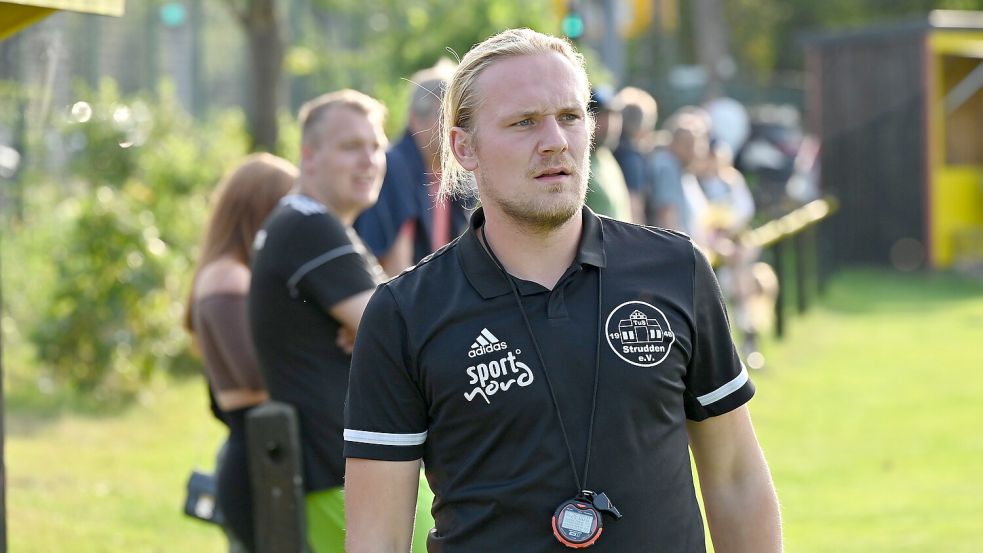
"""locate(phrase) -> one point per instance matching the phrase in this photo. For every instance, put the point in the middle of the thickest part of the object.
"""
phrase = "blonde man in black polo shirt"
(550, 366)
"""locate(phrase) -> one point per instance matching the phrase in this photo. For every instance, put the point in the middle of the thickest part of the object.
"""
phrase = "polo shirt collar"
(484, 275)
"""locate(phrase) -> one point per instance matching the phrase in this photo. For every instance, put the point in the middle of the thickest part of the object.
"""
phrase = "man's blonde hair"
(314, 111)
(461, 99)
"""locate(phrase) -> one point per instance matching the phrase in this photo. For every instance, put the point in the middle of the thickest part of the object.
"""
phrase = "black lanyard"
(581, 484)
(577, 522)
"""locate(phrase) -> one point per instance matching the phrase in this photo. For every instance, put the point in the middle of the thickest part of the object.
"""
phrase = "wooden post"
(779, 259)
(803, 254)
(824, 258)
(274, 466)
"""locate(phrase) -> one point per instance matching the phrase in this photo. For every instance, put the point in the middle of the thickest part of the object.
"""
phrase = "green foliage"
(765, 32)
(13, 97)
(104, 135)
(28, 278)
(127, 225)
(109, 320)
(182, 163)
(377, 45)
(289, 137)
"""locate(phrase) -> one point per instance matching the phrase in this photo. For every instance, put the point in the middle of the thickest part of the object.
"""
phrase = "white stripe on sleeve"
(726, 389)
(383, 438)
(315, 263)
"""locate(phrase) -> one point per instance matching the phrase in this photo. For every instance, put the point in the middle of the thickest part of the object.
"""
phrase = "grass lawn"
(870, 413)
(110, 482)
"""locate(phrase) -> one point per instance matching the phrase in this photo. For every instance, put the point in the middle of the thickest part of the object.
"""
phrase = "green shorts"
(326, 519)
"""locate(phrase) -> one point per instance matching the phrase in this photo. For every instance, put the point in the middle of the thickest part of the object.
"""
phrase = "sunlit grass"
(870, 416)
(115, 482)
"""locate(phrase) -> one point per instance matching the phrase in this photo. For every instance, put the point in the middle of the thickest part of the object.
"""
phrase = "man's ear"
(306, 156)
(462, 144)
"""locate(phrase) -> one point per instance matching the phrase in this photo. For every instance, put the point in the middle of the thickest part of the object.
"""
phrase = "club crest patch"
(639, 333)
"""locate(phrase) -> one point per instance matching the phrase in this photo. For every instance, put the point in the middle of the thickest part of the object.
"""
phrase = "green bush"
(140, 176)
(110, 319)
(104, 136)
(179, 166)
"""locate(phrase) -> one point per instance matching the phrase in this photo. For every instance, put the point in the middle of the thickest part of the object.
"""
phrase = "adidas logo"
(486, 342)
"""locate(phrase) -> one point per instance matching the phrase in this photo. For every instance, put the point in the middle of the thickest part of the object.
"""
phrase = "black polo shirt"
(305, 261)
(445, 370)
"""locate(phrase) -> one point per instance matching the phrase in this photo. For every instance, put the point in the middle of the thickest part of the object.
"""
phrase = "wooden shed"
(899, 110)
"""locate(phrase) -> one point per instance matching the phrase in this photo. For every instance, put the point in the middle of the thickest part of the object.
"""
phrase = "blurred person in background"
(639, 113)
(770, 159)
(409, 222)
(676, 199)
(730, 208)
(607, 193)
(216, 317)
(312, 278)
(729, 121)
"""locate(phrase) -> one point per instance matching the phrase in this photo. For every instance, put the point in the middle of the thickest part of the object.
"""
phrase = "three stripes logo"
(494, 373)
(486, 342)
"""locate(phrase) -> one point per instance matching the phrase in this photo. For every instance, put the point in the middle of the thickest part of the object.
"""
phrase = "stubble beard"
(542, 215)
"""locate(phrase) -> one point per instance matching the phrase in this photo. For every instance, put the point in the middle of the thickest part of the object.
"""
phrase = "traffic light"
(573, 23)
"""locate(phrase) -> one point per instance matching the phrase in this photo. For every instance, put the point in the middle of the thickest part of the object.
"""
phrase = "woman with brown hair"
(217, 319)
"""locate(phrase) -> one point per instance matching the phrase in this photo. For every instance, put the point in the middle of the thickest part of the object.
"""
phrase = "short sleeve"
(716, 379)
(333, 267)
(386, 413)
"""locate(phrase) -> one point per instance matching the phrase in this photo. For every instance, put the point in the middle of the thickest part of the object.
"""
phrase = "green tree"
(369, 45)
(108, 318)
(765, 31)
(373, 45)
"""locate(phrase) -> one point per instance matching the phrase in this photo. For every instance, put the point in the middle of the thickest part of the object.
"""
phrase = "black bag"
(201, 500)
